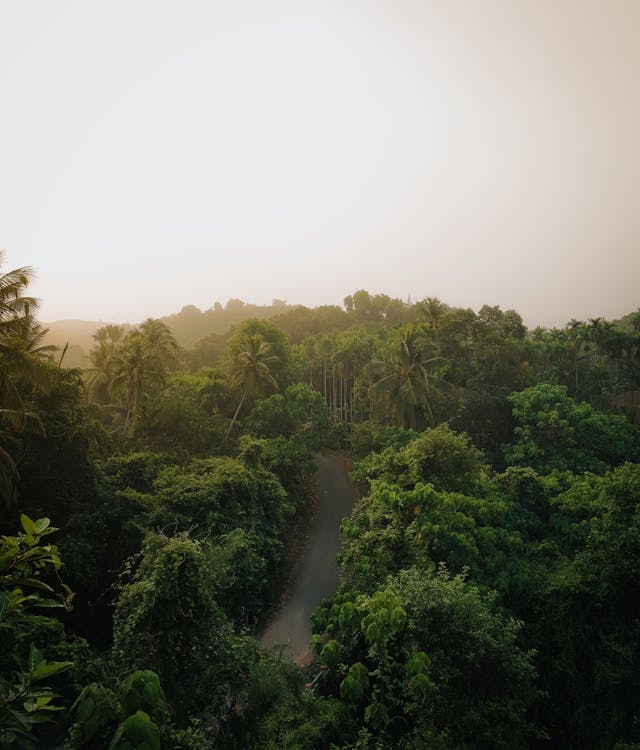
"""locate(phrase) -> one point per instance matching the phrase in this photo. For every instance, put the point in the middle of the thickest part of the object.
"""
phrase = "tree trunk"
(324, 365)
(235, 416)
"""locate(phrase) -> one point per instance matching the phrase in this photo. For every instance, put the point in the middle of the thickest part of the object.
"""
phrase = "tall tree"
(103, 357)
(402, 389)
(251, 370)
(21, 361)
(159, 341)
(126, 368)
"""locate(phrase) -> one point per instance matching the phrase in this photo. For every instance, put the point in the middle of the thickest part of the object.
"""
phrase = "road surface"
(316, 575)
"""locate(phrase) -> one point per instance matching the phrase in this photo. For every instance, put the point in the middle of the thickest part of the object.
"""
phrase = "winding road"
(316, 575)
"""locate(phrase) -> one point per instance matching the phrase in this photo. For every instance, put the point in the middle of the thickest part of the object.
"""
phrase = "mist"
(158, 156)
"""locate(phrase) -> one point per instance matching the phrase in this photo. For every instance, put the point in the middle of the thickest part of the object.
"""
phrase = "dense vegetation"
(152, 503)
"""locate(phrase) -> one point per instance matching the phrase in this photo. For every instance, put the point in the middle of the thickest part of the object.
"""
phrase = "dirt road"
(316, 575)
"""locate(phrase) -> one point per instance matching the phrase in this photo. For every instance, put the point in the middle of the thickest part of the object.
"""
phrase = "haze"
(156, 154)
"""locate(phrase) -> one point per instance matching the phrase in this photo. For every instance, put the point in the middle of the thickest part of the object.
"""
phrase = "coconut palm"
(159, 341)
(137, 372)
(250, 370)
(430, 311)
(402, 386)
(103, 357)
(22, 356)
(126, 368)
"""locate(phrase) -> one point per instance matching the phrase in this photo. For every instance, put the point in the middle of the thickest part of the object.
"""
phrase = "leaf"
(330, 654)
(353, 687)
(420, 686)
(36, 584)
(47, 603)
(42, 524)
(138, 731)
(35, 658)
(48, 669)
(28, 525)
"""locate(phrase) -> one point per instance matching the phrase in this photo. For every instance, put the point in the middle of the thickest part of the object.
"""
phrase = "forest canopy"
(155, 499)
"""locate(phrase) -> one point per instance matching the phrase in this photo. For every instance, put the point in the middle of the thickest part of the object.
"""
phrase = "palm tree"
(14, 305)
(136, 373)
(127, 368)
(21, 361)
(250, 371)
(353, 351)
(159, 341)
(431, 311)
(402, 387)
(103, 358)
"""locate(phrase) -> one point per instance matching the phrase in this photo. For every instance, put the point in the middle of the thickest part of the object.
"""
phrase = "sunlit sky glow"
(159, 154)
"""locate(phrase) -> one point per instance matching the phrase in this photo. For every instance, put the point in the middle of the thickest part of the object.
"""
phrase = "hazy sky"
(157, 154)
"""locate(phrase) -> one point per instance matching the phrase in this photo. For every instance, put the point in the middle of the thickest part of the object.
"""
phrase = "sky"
(160, 154)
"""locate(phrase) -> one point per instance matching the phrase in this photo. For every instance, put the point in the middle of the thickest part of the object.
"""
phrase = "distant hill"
(626, 323)
(75, 332)
(191, 324)
(78, 334)
(188, 326)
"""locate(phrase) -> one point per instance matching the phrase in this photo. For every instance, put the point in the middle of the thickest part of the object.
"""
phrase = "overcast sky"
(159, 154)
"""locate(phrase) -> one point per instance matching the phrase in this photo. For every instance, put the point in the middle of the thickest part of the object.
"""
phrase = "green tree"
(251, 371)
(427, 661)
(582, 610)
(25, 561)
(22, 360)
(103, 358)
(401, 389)
(168, 620)
(129, 368)
(555, 432)
(299, 410)
(440, 456)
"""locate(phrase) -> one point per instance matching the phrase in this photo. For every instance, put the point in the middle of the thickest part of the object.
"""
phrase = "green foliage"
(555, 432)
(439, 456)
(25, 561)
(301, 322)
(57, 474)
(369, 436)
(23, 369)
(281, 367)
(25, 702)
(413, 657)
(287, 458)
(584, 618)
(187, 417)
(167, 619)
(238, 505)
(98, 538)
(137, 470)
(428, 656)
(401, 391)
(305, 722)
(392, 528)
(129, 368)
(300, 410)
(96, 711)
(137, 732)
(215, 497)
(561, 550)
(354, 685)
(132, 715)
(141, 691)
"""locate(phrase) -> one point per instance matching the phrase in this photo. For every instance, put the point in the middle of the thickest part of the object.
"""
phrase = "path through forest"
(316, 575)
